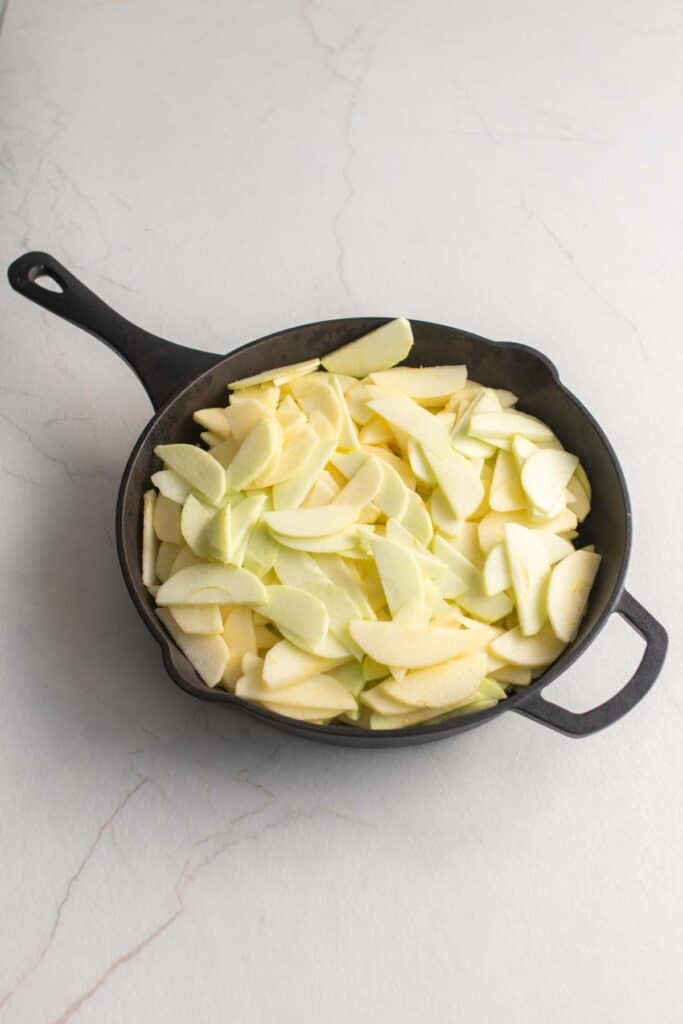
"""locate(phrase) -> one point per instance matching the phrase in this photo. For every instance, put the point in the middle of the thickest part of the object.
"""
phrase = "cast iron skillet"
(179, 380)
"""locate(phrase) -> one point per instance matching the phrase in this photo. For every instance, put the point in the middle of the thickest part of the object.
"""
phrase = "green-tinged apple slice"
(545, 476)
(392, 643)
(171, 485)
(401, 578)
(311, 522)
(568, 590)
(350, 676)
(506, 494)
(259, 450)
(204, 620)
(494, 425)
(424, 384)
(379, 350)
(212, 584)
(261, 551)
(297, 612)
(240, 636)
(285, 664)
(337, 543)
(379, 700)
(513, 675)
(213, 420)
(528, 651)
(195, 522)
(416, 519)
(245, 515)
(279, 375)
(293, 455)
(296, 568)
(321, 692)
(348, 435)
(529, 570)
(202, 472)
(186, 557)
(341, 610)
(167, 520)
(217, 538)
(419, 464)
(291, 492)
(444, 684)
(456, 476)
(491, 528)
(149, 540)
(362, 487)
(496, 571)
(207, 654)
(556, 548)
(166, 556)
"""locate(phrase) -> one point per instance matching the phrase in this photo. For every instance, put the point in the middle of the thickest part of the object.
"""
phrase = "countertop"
(218, 171)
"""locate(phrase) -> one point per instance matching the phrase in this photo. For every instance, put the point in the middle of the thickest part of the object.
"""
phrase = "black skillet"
(179, 380)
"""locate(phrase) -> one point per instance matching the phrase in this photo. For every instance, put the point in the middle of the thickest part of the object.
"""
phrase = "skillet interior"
(508, 365)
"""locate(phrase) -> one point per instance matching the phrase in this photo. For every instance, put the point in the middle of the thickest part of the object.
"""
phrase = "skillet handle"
(588, 722)
(162, 366)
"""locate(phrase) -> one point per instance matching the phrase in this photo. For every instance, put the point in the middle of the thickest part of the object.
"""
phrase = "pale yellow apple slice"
(171, 485)
(578, 501)
(336, 543)
(321, 692)
(239, 634)
(456, 476)
(245, 514)
(362, 487)
(371, 670)
(506, 493)
(296, 568)
(445, 684)
(265, 639)
(424, 384)
(186, 557)
(285, 664)
(202, 472)
(496, 425)
(216, 539)
(466, 541)
(391, 643)
(418, 464)
(294, 452)
(568, 591)
(259, 450)
(207, 654)
(401, 578)
(289, 414)
(167, 520)
(204, 620)
(341, 610)
(529, 570)
(521, 449)
(496, 572)
(225, 451)
(402, 468)
(297, 612)
(556, 547)
(416, 519)
(334, 568)
(149, 540)
(379, 701)
(213, 420)
(377, 431)
(348, 435)
(243, 416)
(323, 492)
(212, 584)
(322, 398)
(528, 651)
(513, 675)
(261, 551)
(545, 475)
(484, 400)
(311, 522)
(166, 556)
(195, 521)
(491, 528)
(279, 375)
(291, 493)
(379, 350)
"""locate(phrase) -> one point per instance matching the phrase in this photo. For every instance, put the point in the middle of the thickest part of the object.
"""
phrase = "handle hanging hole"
(45, 279)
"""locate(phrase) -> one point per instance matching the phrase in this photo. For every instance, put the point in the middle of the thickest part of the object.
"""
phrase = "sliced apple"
(279, 375)
(506, 494)
(311, 522)
(348, 435)
(261, 551)
(216, 539)
(285, 664)
(201, 471)
(416, 519)
(195, 521)
(239, 634)
(513, 675)
(379, 350)
(445, 684)
(207, 654)
(186, 557)
(492, 527)
(578, 500)
(171, 485)
(529, 570)
(321, 692)
(259, 450)
(212, 584)
(528, 651)
(545, 475)
(380, 701)
(292, 492)
(336, 543)
(497, 425)
(391, 643)
(568, 591)
(496, 572)
(425, 384)
(167, 520)
(401, 578)
(166, 556)
(149, 540)
(419, 465)
(213, 420)
(297, 612)
(205, 620)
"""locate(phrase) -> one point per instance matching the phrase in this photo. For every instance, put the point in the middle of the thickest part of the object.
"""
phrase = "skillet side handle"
(162, 366)
(588, 722)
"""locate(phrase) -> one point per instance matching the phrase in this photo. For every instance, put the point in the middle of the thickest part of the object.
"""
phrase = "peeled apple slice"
(279, 375)
(529, 570)
(545, 476)
(362, 487)
(297, 612)
(528, 651)
(570, 585)
(205, 620)
(401, 578)
(166, 556)
(167, 520)
(201, 471)
(213, 420)
(424, 384)
(292, 492)
(321, 692)
(392, 643)
(149, 540)
(172, 486)
(506, 424)
(496, 571)
(392, 496)
(212, 584)
(578, 498)
(260, 449)
(506, 494)
(311, 522)
(207, 654)
(444, 684)
(336, 543)
(381, 349)
(416, 519)
(285, 664)
(195, 521)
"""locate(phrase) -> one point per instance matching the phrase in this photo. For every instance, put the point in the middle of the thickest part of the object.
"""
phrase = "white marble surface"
(219, 170)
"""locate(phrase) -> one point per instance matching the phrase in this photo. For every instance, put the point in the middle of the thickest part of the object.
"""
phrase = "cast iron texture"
(180, 380)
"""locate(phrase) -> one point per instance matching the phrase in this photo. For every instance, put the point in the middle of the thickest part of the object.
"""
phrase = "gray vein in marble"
(73, 880)
(564, 249)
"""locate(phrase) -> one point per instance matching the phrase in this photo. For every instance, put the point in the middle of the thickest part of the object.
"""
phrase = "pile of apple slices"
(379, 544)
